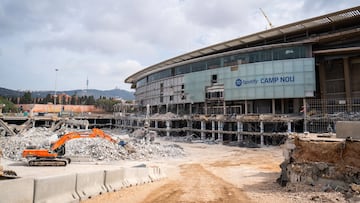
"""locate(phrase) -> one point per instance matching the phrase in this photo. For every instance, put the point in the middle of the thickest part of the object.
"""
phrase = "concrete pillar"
(189, 125)
(240, 128)
(220, 128)
(305, 112)
(322, 82)
(205, 108)
(261, 132)
(156, 124)
(202, 130)
(347, 84)
(224, 107)
(246, 107)
(289, 126)
(213, 130)
(273, 106)
(168, 128)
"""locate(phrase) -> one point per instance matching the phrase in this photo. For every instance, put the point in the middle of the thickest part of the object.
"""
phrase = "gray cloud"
(109, 40)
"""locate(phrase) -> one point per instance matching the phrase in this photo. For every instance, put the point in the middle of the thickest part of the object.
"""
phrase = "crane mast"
(267, 19)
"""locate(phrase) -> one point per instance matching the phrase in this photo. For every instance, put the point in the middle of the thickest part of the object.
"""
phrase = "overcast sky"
(108, 40)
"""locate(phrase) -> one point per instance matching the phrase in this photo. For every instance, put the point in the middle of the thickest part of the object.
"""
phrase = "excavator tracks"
(49, 162)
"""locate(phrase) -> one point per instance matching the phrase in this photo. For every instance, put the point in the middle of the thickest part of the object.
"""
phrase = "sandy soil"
(217, 173)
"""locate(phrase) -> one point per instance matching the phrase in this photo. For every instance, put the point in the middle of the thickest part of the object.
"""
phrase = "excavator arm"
(52, 156)
(96, 133)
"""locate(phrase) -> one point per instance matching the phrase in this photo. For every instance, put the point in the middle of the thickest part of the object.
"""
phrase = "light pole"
(56, 70)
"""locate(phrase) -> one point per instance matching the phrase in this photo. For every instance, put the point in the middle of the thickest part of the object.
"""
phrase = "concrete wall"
(51, 108)
(346, 129)
(73, 187)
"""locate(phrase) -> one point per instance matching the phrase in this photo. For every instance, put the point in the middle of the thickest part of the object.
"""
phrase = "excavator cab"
(60, 151)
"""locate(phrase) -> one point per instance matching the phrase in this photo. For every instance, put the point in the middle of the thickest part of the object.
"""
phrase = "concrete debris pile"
(340, 116)
(94, 149)
(188, 138)
(329, 165)
(102, 150)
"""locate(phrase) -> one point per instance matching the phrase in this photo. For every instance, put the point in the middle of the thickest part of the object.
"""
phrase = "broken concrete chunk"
(355, 187)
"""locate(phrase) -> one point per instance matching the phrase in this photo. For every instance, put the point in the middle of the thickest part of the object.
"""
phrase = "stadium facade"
(271, 72)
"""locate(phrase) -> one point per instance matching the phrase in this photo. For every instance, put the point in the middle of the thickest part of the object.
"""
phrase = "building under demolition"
(266, 72)
(315, 62)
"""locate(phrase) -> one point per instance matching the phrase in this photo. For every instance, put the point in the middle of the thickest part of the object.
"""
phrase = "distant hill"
(10, 93)
(114, 93)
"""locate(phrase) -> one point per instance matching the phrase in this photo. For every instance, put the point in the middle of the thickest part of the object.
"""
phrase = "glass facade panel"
(256, 81)
(141, 82)
(199, 66)
(214, 63)
(160, 75)
(275, 55)
(182, 70)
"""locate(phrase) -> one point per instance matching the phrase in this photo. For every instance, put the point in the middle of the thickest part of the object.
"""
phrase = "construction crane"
(55, 155)
(267, 19)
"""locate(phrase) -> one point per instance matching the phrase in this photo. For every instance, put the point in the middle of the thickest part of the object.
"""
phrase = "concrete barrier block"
(17, 190)
(142, 175)
(55, 189)
(115, 179)
(152, 174)
(346, 129)
(131, 178)
(161, 173)
(90, 184)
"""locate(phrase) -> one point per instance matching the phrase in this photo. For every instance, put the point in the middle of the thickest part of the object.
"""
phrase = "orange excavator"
(55, 155)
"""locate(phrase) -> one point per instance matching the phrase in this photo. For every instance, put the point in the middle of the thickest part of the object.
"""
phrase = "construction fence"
(322, 114)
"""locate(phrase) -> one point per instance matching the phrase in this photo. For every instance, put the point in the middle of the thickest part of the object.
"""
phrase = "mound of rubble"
(94, 149)
(322, 163)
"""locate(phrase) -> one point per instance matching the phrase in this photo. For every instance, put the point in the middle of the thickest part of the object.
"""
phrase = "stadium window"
(199, 66)
(213, 63)
(214, 79)
(182, 69)
(161, 87)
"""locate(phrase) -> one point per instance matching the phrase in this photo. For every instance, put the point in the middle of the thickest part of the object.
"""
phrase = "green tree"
(26, 98)
(9, 106)
(74, 99)
(90, 100)
(106, 104)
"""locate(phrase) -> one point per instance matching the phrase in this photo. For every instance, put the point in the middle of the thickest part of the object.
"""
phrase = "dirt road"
(217, 173)
(196, 184)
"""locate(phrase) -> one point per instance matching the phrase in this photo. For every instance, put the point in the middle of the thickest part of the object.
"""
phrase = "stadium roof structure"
(265, 37)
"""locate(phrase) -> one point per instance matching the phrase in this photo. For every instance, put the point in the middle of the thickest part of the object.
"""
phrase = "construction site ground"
(217, 173)
(208, 173)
